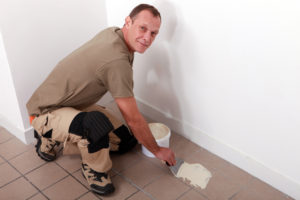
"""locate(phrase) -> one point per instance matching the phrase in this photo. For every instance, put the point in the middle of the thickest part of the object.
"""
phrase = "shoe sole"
(37, 148)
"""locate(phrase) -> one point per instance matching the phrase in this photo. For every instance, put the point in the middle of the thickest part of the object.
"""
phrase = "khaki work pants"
(59, 122)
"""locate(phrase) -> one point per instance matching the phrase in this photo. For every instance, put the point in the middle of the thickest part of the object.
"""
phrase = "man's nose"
(147, 37)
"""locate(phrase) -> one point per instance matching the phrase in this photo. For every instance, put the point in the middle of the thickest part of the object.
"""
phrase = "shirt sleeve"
(117, 77)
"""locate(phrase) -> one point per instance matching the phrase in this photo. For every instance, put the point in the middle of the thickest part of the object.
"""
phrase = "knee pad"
(128, 141)
(94, 126)
(103, 143)
(76, 126)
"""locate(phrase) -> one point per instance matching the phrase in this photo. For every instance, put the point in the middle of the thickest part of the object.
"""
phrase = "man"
(63, 108)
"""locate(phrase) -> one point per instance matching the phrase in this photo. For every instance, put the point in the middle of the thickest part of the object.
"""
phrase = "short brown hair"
(142, 7)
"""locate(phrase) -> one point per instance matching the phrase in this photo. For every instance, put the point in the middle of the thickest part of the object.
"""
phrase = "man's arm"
(141, 131)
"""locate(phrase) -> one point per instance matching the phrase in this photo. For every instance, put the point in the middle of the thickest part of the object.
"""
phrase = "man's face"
(142, 31)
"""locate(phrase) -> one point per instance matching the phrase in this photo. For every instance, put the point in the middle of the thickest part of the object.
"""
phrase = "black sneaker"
(99, 182)
(45, 147)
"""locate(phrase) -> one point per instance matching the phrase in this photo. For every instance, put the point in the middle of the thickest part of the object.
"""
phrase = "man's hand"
(166, 154)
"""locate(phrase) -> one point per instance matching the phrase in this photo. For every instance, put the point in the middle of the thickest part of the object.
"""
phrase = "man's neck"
(125, 34)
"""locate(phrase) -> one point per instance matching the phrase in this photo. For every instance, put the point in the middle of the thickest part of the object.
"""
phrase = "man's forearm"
(142, 132)
(137, 123)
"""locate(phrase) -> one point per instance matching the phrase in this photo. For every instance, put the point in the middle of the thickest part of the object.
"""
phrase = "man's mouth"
(143, 44)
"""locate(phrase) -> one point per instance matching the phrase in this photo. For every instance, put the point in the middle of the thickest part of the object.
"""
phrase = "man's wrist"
(156, 150)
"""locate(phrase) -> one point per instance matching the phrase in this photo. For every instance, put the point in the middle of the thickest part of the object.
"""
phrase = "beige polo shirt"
(102, 64)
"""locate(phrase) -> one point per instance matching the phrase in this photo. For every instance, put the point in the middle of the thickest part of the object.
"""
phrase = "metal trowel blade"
(174, 169)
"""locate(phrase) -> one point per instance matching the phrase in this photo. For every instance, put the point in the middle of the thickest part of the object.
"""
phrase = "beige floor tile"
(219, 187)
(259, 190)
(78, 175)
(132, 168)
(1, 160)
(123, 161)
(182, 147)
(234, 173)
(38, 196)
(89, 196)
(192, 195)
(13, 147)
(19, 189)
(123, 189)
(71, 163)
(68, 188)
(46, 175)
(7, 174)
(139, 196)
(143, 173)
(4, 135)
(27, 161)
(156, 162)
(166, 187)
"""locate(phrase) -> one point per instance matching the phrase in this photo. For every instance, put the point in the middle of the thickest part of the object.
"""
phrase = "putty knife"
(174, 169)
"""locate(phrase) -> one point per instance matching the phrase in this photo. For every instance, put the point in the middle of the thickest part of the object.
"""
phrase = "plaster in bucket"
(161, 133)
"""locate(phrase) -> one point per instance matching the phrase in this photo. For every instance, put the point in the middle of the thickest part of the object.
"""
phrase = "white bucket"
(161, 134)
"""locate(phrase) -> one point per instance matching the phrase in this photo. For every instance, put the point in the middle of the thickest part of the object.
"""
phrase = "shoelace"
(96, 175)
(52, 144)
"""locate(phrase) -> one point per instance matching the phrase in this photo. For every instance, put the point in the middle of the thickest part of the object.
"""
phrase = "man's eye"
(143, 28)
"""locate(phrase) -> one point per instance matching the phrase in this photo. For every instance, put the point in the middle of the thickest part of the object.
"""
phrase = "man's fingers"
(172, 160)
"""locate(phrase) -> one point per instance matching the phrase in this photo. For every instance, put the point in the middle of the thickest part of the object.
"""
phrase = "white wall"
(226, 75)
(36, 35)
(10, 115)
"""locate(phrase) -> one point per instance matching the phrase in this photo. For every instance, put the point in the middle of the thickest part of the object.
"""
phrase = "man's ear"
(128, 22)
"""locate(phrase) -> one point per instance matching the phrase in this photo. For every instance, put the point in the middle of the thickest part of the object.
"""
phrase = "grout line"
(4, 160)
(22, 175)
(184, 193)
(54, 183)
(199, 192)
(37, 194)
(136, 186)
(155, 179)
(136, 161)
(82, 195)
(35, 168)
(230, 198)
(71, 174)
(132, 194)
(242, 188)
(10, 182)
(7, 140)
(15, 156)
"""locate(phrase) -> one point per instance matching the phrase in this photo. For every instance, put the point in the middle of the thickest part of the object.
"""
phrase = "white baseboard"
(29, 138)
(26, 136)
(249, 164)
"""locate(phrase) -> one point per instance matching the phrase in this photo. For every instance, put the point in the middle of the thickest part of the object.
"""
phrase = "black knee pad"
(103, 143)
(128, 141)
(76, 126)
(94, 126)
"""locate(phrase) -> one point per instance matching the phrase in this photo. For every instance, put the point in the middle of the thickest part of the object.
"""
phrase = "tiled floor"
(136, 177)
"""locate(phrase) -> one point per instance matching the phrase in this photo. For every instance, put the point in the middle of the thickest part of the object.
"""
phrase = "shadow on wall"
(163, 82)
